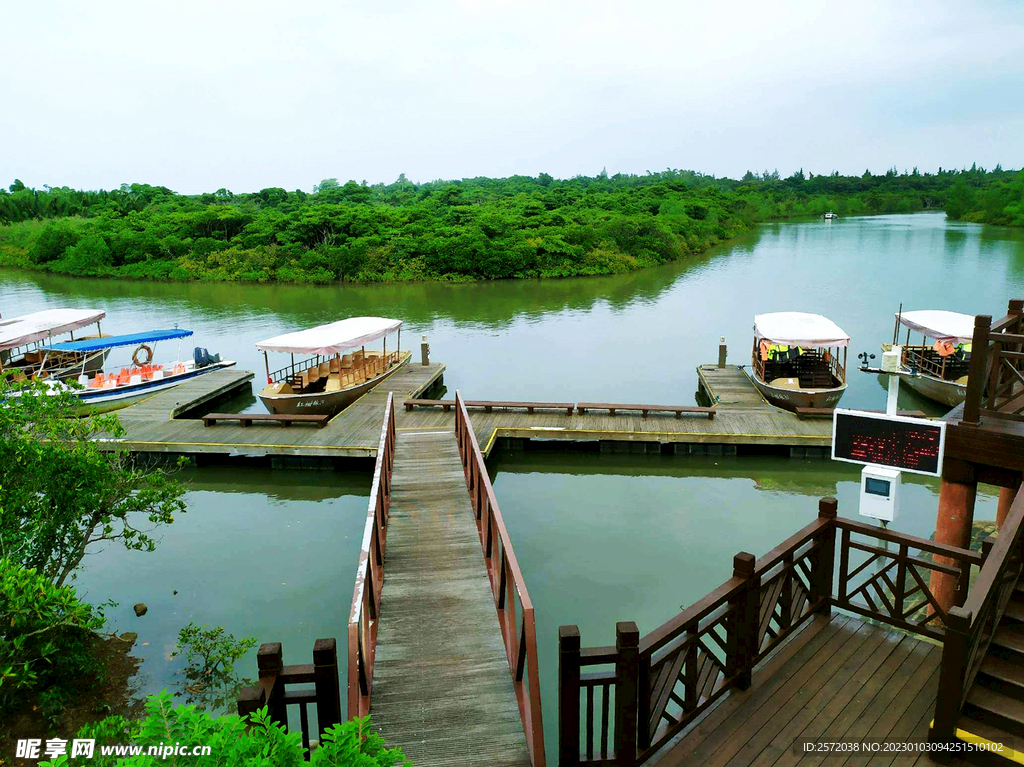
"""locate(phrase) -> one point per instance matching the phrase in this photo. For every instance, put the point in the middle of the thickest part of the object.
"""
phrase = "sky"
(198, 96)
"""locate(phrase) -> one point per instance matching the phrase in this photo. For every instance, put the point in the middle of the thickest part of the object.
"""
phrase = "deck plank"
(442, 689)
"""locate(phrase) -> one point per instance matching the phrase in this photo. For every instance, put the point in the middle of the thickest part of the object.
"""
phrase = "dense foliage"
(61, 494)
(477, 228)
(45, 636)
(263, 744)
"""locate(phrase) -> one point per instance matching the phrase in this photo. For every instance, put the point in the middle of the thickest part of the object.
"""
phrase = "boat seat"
(325, 369)
(333, 382)
(335, 365)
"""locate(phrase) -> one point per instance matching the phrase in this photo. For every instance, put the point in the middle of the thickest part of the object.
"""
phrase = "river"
(600, 537)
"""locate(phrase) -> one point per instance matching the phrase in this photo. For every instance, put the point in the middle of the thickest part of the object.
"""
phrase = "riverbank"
(464, 231)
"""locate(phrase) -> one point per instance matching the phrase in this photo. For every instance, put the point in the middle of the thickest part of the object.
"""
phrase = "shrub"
(263, 744)
(52, 242)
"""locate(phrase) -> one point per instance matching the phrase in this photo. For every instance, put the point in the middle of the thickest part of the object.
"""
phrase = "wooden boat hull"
(790, 399)
(324, 403)
(949, 393)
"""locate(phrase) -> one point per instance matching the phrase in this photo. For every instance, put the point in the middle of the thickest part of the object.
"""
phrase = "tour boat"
(936, 370)
(830, 216)
(795, 361)
(26, 343)
(104, 391)
(329, 379)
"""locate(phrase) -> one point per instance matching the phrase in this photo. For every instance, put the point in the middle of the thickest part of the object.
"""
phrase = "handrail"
(362, 621)
(507, 583)
(996, 368)
(662, 682)
(972, 626)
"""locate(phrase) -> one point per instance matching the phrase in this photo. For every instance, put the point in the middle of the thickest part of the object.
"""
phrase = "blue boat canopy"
(109, 342)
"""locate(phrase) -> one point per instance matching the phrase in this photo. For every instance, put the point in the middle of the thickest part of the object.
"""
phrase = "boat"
(337, 369)
(830, 216)
(100, 391)
(795, 362)
(937, 369)
(26, 342)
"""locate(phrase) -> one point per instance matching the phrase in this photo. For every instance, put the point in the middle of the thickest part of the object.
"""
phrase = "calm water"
(601, 538)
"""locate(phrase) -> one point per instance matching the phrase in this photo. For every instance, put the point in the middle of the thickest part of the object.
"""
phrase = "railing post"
(250, 700)
(269, 662)
(976, 373)
(742, 627)
(952, 673)
(824, 562)
(568, 696)
(627, 668)
(326, 681)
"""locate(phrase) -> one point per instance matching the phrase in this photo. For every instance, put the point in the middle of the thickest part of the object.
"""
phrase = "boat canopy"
(799, 329)
(333, 338)
(41, 325)
(109, 342)
(940, 325)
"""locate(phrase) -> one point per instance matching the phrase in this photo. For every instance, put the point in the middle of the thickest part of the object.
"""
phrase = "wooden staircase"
(994, 708)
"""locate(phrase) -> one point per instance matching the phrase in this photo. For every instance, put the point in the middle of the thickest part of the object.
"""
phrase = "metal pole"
(266, 361)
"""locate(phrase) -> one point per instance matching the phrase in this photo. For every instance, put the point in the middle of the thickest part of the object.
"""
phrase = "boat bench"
(583, 407)
(246, 419)
(487, 405)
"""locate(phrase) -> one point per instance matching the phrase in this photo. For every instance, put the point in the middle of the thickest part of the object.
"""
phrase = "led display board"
(875, 439)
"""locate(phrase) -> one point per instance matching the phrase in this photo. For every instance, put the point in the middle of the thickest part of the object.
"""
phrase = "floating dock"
(170, 422)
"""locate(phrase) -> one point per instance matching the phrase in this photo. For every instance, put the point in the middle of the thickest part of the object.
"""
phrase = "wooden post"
(824, 561)
(1006, 496)
(250, 700)
(269, 662)
(976, 373)
(742, 626)
(951, 675)
(722, 351)
(424, 352)
(627, 667)
(957, 493)
(326, 681)
(568, 696)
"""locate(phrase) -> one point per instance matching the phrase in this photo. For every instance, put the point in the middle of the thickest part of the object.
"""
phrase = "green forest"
(472, 229)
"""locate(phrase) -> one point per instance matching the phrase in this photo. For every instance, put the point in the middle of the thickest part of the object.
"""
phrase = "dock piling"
(722, 350)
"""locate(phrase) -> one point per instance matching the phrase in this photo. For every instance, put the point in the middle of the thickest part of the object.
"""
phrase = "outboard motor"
(201, 357)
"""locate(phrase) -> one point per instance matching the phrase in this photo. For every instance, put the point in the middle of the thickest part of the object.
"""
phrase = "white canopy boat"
(329, 379)
(105, 391)
(937, 369)
(795, 360)
(26, 342)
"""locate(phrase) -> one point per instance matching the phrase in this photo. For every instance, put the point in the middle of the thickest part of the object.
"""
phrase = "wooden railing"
(512, 601)
(275, 677)
(362, 621)
(651, 688)
(995, 387)
(971, 627)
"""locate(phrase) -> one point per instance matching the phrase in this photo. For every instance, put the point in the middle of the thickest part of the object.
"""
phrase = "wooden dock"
(441, 685)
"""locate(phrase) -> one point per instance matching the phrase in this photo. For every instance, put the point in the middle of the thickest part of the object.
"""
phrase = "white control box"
(879, 492)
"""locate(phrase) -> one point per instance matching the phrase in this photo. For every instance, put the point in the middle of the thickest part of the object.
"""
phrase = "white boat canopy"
(333, 338)
(799, 329)
(41, 325)
(940, 325)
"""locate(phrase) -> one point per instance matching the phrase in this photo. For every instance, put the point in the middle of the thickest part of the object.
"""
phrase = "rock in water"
(140, 609)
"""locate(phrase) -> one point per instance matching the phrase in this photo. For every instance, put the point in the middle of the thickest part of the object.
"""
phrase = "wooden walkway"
(836, 679)
(742, 421)
(441, 684)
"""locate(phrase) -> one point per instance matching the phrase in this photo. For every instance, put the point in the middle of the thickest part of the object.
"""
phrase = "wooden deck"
(152, 426)
(836, 679)
(441, 684)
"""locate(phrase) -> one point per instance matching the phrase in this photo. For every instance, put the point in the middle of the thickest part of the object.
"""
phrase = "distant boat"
(26, 342)
(104, 391)
(328, 379)
(830, 216)
(936, 370)
(795, 360)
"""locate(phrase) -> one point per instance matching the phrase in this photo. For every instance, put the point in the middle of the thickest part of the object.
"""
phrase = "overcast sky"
(244, 95)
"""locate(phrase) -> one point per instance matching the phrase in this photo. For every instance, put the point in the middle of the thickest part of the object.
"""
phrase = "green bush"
(52, 242)
(45, 636)
(263, 744)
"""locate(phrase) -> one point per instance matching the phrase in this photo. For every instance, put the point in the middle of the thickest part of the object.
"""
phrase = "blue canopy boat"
(104, 391)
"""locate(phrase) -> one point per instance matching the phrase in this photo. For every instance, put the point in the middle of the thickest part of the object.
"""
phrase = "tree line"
(479, 228)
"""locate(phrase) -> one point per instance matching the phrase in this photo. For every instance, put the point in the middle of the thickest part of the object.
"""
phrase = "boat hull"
(948, 393)
(107, 400)
(324, 403)
(791, 399)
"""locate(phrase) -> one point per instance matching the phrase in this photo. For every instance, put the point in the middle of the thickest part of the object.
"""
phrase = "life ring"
(149, 355)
